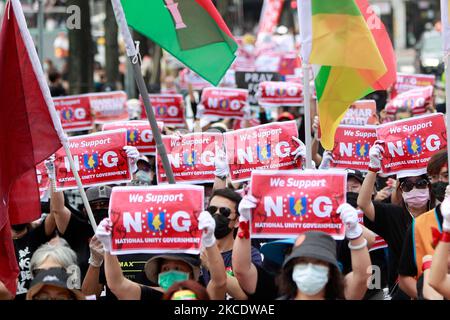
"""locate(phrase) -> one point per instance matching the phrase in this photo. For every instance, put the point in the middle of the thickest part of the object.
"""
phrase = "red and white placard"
(168, 108)
(224, 102)
(74, 112)
(108, 106)
(361, 113)
(279, 94)
(406, 82)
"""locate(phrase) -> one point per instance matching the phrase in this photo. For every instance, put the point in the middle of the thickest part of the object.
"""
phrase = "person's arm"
(91, 284)
(316, 157)
(4, 293)
(427, 291)
(356, 281)
(234, 289)
(49, 225)
(243, 268)
(217, 286)
(369, 235)
(221, 169)
(408, 285)
(407, 268)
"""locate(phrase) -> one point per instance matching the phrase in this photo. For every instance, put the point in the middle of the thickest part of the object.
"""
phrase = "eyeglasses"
(226, 212)
(408, 185)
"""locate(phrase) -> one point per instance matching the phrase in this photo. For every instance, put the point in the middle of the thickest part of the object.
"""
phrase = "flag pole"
(133, 55)
(307, 103)
(37, 67)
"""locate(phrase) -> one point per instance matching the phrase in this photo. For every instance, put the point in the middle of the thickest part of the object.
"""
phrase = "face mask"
(438, 189)
(100, 214)
(310, 278)
(417, 198)
(352, 199)
(167, 279)
(222, 229)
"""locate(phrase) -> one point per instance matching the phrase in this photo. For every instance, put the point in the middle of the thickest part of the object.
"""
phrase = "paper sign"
(74, 112)
(410, 143)
(191, 157)
(406, 82)
(99, 158)
(156, 219)
(108, 106)
(139, 134)
(251, 81)
(224, 102)
(361, 113)
(351, 147)
(279, 94)
(42, 178)
(168, 108)
(265, 147)
(415, 100)
(291, 203)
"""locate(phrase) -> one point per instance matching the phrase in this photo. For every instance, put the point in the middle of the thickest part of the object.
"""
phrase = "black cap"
(317, 245)
(356, 174)
(98, 193)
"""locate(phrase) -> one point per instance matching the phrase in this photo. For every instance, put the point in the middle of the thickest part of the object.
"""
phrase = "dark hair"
(191, 285)
(334, 289)
(53, 76)
(431, 203)
(437, 161)
(228, 194)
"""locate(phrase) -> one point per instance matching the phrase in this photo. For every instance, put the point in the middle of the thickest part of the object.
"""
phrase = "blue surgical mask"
(310, 278)
(167, 279)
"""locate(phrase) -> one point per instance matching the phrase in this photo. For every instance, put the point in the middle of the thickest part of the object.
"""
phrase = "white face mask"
(310, 278)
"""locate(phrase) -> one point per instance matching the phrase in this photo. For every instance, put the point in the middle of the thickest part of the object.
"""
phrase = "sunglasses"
(407, 186)
(226, 212)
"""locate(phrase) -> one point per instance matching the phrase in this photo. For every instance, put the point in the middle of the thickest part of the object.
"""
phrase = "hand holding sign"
(300, 151)
(327, 158)
(133, 155)
(247, 204)
(349, 217)
(50, 166)
(207, 223)
(376, 155)
(220, 162)
(103, 233)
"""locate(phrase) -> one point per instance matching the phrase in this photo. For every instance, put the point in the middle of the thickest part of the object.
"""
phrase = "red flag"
(27, 132)
(384, 44)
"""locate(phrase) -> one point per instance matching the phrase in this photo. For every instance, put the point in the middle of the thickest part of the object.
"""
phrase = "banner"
(406, 82)
(168, 108)
(410, 143)
(289, 62)
(291, 203)
(280, 94)
(156, 219)
(43, 179)
(108, 106)
(351, 147)
(416, 100)
(224, 102)
(361, 113)
(270, 15)
(74, 112)
(139, 134)
(251, 81)
(191, 157)
(266, 147)
(99, 159)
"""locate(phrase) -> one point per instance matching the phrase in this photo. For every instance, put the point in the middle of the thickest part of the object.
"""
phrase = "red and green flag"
(191, 30)
(351, 53)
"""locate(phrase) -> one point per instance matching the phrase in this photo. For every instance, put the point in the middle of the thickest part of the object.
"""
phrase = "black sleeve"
(78, 230)
(38, 237)
(266, 288)
(386, 216)
(263, 117)
(407, 265)
(148, 293)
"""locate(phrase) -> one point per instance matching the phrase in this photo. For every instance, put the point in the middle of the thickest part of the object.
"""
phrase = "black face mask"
(99, 215)
(438, 189)
(352, 199)
(222, 229)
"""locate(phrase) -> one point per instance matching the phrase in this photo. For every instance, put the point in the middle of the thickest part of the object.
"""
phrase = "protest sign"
(267, 146)
(351, 147)
(251, 81)
(191, 157)
(108, 106)
(406, 82)
(156, 219)
(291, 203)
(280, 94)
(42, 179)
(361, 113)
(409, 144)
(168, 108)
(416, 100)
(139, 134)
(98, 157)
(289, 62)
(74, 112)
(224, 102)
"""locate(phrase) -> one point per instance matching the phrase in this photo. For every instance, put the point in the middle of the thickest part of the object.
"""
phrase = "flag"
(27, 133)
(350, 60)
(191, 30)
(445, 20)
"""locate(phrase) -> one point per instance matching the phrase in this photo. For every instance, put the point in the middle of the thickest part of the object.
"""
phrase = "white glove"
(220, 162)
(246, 205)
(349, 217)
(300, 151)
(97, 252)
(445, 210)
(200, 111)
(50, 166)
(207, 223)
(133, 155)
(376, 155)
(327, 158)
(103, 234)
(247, 113)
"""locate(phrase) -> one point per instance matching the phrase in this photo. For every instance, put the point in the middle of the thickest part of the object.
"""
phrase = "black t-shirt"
(24, 248)
(266, 288)
(391, 223)
(132, 268)
(407, 265)
(148, 293)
